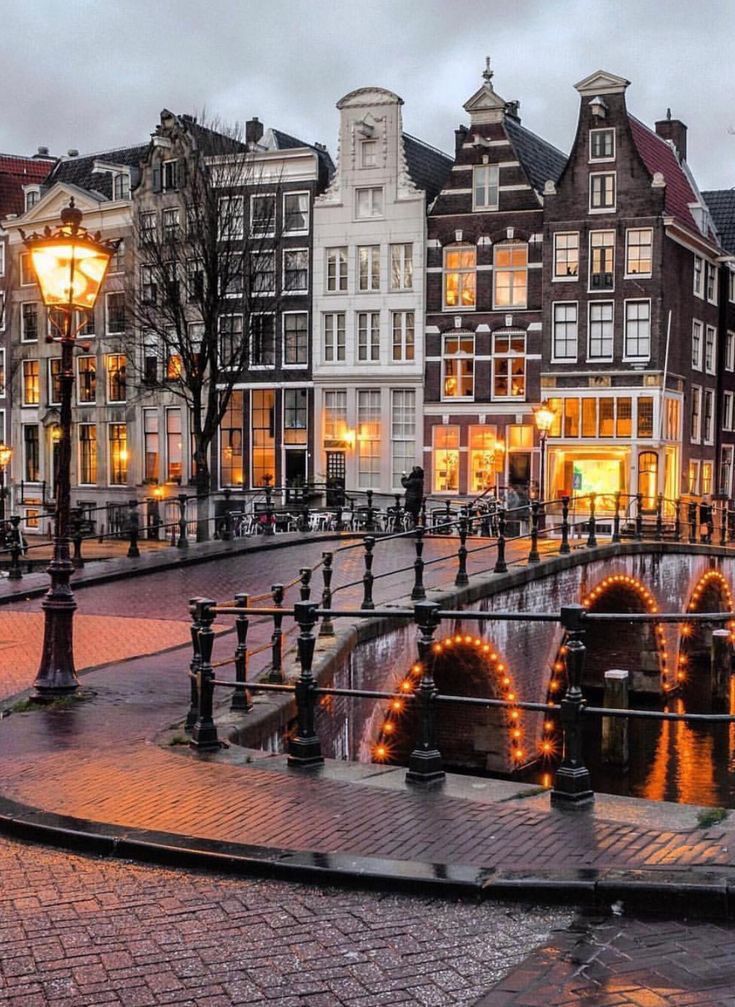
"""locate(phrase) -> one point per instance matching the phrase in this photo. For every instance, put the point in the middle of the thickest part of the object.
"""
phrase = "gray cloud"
(91, 74)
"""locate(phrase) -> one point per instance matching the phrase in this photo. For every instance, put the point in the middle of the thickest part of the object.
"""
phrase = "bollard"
(191, 717)
(692, 521)
(462, 579)
(327, 626)
(367, 577)
(241, 698)
(276, 672)
(268, 528)
(572, 779)
(418, 593)
(304, 750)
(14, 570)
(564, 547)
(204, 733)
(133, 550)
(76, 534)
(533, 556)
(592, 537)
(677, 520)
(305, 583)
(720, 663)
(615, 730)
(500, 565)
(425, 763)
(659, 533)
(639, 516)
(370, 515)
(616, 519)
(183, 542)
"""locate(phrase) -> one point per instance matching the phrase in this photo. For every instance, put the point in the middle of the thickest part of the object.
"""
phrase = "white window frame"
(590, 288)
(3, 374)
(108, 444)
(35, 192)
(590, 306)
(297, 230)
(381, 433)
(608, 159)
(266, 291)
(402, 318)
(165, 170)
(727, 459)
(23, 401)
(555, 358)
(607, 208)
(26, 269)
(695, 432)
(2, 310)
(370, 341)
(630, 356)
(291, 291)
(369, 153)
(697, 356)
(23, 338)
(731, 285)
(711, 283)
(236, 232)
(514, 271)
(460, 271)
(404, 395)
(339, 254)
(110, 400)
(251, 342)
(263, 195)
(404, 257)
(339, 349)
(698, 277)
(710, 360)
(79, 453)
(728, 399)
(171, 222)
(108, 330)
(730, 350)
(78, 376)
(372, 189)
(228, 314)
(509, 356)
(300, 365)
(458, 356)
(2, 257)
(372, 275)
(637, 230)
(564, 277)
(708, 428)
(491, 183)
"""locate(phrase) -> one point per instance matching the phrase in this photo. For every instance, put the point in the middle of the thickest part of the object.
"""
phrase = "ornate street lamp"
(6, 453)
(544, 415)
(70, 266)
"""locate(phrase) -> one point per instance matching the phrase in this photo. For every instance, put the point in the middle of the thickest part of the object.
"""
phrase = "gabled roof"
(284, 141)
(721, 205)
(539, 159)
(427, 166)
(15, 172)
(79, 171)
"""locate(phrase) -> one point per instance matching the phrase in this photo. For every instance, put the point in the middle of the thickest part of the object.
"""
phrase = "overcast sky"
(94, 74)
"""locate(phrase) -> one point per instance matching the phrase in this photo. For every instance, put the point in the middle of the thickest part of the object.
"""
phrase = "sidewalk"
(92, 776)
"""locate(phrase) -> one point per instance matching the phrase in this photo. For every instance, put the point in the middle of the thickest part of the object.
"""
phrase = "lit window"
(116, 380)
(693, 477)
(486, 458)
(368, 439)
(336, 270)
(445, 458)
(368, 336)
(369, 202)
(296, 212)
(27, 275)
(602, 191)
(31, 383)
(335, 415)
(460, 278)
(509, 365)
(510, 275)
(151, 446)
(87, 380)
(485, 182)
(231, 468)
(403, 335)
(706, 478)
(295, 416)
(638, 251)
(602, 260)
(334, 336)
(564, 336)
(118, 438)
(174, 446)
(401, 267)
(602, 144)
(88, 454)
(566, 255)
(403, 433)
(637, 330)
(458, 362)
(368, 263)
(645, 416)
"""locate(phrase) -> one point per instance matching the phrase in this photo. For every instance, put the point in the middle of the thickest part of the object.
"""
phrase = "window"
(509, 365)
(401, 267)
(693, 477)
(296, 271)
(231, 276)
(88, 454)
(602, 191)
(698, 276)
(263, 435)
(730, 285)
(115, 311)
(116, 378)
(148, 285)
(195, 279)
(566, 255)
(296, 212)
(726, 465)
(403, 433)
(117, 262)
(29, 322)
(403, 335)
(32, 196)
(118, 438)
(335, 415)
(706, 478)
(458, 362)
(170, 172)
(708, 434)
(87, 380)
(485, 457)
(369, 154)
(564, 336)
(637, 330)
(730, 351)
(230, 340)
(151, 446)
(295, 416)
(31, 456)
(295, 339)
(711, 283)
(2, 374)
(2, 258)
(334, 336)
(368, 260)
(174, 446)
(263, 215)
(368, 439)
(264, 273)
(485, 181)
(460, 278)
(727, 414)
(27, 274)
(672, 418)
(645, 416)
(600, 330)
(151, 354)
(510, 275)
(695, 425)
(602, 260)
(697, 348)
(231, 468)
(369, 202)
(231, 214)
(368, 336)
(602, 144)
(120, 185)
(445, 457)
(263, 341)
(174, 365)
(710, 343)
(31, 383)
(147, 226)
(336, 270)
(638, 251)
(170, 223)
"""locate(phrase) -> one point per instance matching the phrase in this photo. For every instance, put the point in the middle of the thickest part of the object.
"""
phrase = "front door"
(336, 478)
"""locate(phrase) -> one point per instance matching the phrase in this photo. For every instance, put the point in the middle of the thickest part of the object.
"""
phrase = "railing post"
(423, 512)
(592, 537)
(723, 522)
(533, 556)
(327, 626)
(462, 579)
(692, 521)
(370, 515)
(447, 530)
(500, 565)
(183, 542)
(304, 749)
(659, 517)
(425, 764)
(564, 547)
(76, 534)
(204, 733)
(677, 520)
(173, 534)
(367, 577)
(191, 717)
(133, 550)
(418, 592)
(14, 570)
(639, 516)
(572, 785)
(616, 519)
(241, 699)
(276, 672)
(730, 521)
(399, 511)
(268, 528)
(305, 583)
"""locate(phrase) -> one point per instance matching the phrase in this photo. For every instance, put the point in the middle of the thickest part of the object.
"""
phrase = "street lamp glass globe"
(6, 453)
(544, 416)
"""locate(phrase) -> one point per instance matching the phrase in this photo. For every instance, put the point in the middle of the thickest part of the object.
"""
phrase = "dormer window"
(485, 180)
(120, 185)
(369, 153)
(170, 175)
(602, 145)
(32, 197)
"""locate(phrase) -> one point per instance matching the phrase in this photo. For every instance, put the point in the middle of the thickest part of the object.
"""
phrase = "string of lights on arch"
(707, 580)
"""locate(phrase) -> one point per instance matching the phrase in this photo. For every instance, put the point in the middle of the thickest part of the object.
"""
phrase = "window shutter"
(157, 179)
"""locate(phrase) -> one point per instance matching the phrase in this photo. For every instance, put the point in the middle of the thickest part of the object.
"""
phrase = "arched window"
(648, 478)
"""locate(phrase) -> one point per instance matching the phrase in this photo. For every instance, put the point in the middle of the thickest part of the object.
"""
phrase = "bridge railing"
(571, 780)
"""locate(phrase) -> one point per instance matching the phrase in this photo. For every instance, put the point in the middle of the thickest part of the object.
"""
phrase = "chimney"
(41, 152)
(512, 109)
(253, 130)
(674, 130)
(460, 135)
(73, 152)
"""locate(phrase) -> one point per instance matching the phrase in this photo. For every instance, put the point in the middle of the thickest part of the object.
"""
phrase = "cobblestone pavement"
(81, 932)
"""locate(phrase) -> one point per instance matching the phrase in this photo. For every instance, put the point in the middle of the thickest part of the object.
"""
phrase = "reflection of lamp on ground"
(544, 416)
(70, 266)
(6, 453)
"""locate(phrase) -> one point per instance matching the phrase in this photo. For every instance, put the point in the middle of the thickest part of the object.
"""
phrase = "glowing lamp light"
(6, 453)
(544, 417)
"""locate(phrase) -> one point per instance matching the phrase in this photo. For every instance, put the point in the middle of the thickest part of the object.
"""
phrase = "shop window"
(571, 417)
(151, 446)
(645, 416)
(368, 439)
(486, 458)
(446, 459)
(231, 471)
(403, 433)
(335, 415)
(648, 478)
(174, 447)
(509, 365)
(624, 417)
(460, 278)
(295, 416)
(263, 435)
(589, 417)
(458, 362)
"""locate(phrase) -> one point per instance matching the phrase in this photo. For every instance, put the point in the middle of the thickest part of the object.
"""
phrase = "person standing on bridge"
(414, 487)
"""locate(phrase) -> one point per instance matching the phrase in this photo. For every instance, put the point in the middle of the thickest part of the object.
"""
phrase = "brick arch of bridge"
(711, 593)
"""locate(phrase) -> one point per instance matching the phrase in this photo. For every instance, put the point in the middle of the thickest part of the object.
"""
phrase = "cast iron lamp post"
(544, 416)
(6, 453)
(70, 266)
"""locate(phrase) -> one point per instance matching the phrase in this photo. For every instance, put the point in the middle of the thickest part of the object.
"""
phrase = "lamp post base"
(56, 674)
